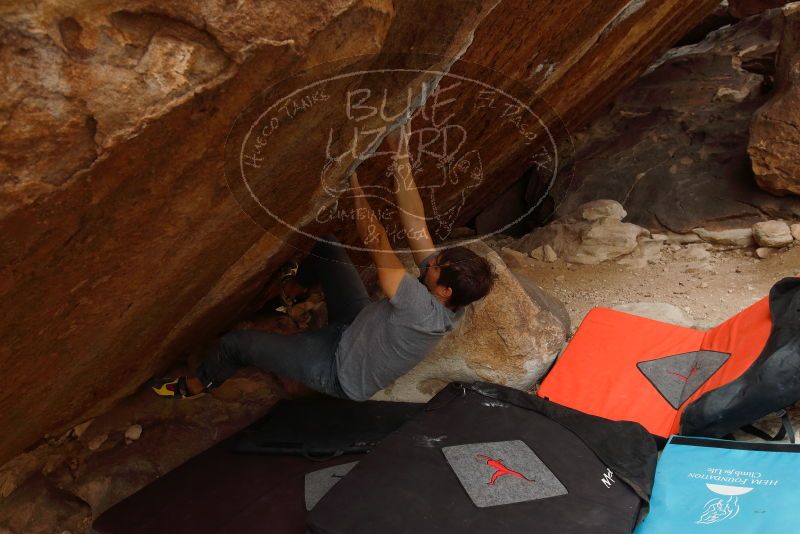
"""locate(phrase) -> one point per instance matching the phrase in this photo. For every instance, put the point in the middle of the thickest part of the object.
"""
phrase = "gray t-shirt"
(390, 336)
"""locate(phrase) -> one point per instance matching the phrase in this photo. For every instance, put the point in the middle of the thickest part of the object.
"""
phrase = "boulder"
(601, 209)
(562, 235)
(775, 234)
(133, 433)
(647, 251)
(658, 311)
(598, 236)
(41, 507)
(125, 247)
(538, 253)
(113, 158)
(509, 338)
(795, 228)
(606, 240)
(775, 130)
(682, 164)
(735, 237)
(526, 275)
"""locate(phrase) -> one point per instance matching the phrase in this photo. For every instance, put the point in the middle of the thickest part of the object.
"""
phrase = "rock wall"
(673, 149)
(113, 273)
(123, 245)
(775, 131)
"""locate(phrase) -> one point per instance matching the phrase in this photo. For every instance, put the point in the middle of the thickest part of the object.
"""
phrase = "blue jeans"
(308, 357)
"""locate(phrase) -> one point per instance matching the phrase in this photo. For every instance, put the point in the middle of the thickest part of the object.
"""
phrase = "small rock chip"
(7, 487)
(774, 234)
(764, 252)
(549, 254)
(728, 94)
(81, 428)
(97, 442)
(538, 253)
(560, 278)
(133, 433)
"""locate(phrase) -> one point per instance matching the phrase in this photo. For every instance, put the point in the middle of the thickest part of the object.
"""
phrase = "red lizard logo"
(692, 371)
(500, 469)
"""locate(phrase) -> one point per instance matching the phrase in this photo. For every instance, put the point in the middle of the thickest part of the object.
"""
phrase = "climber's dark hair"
(470, 276)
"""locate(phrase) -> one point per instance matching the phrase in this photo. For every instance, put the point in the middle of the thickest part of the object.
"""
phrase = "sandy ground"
(735, 279)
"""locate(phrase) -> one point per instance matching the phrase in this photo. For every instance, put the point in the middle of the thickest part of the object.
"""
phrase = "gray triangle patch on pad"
(677, 377)
(502, 472)
(320, 482)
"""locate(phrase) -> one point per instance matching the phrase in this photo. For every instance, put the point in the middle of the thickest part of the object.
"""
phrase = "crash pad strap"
(787, 429)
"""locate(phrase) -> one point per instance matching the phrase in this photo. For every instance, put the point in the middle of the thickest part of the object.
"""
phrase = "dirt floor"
(733, 280)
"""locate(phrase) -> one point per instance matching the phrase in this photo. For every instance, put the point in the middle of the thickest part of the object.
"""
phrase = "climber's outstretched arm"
(373, 236)
(409, 202)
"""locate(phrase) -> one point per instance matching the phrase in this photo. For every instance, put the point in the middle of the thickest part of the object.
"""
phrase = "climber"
(366, 345)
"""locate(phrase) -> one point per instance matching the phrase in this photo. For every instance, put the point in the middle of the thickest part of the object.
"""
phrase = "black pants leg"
(308, 357)
(345, 294)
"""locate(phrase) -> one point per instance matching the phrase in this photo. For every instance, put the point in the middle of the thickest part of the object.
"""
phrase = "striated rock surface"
(511, 337)
(775, 132)
(682, 163)
(123, 245)
(117, 267)
(746, 8)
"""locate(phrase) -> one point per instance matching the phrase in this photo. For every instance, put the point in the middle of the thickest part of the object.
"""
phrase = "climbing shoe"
(172, 388)
(287, 299)
(289, 270)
